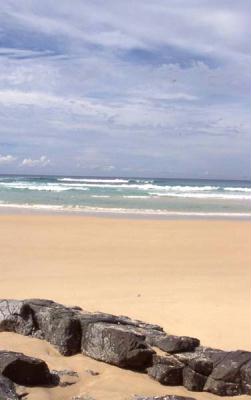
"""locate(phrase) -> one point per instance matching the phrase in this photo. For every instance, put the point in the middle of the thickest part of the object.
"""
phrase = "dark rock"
(192, 380)
(228, 376)
(148, 328)
(212, 355)
(16, 316)
(76, 308)
(24, 370)
(175, 344)
(228, 367)
(117, 345)
(43, 319)
(166, 370)
(7, 389)
(140, 327)
(202, 365)
(126, 343)
(246, 378)
(57, 324)
(222, 388)
(216, 355)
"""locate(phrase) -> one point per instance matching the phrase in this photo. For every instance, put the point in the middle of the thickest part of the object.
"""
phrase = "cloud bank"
(126, 88)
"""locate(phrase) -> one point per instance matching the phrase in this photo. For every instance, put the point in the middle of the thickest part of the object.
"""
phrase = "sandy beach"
(191, 277)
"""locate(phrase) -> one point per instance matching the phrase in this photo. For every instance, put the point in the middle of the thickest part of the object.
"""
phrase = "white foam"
(237, 189)
(33, 206)
(91, 180)
(49, 187)
(135, 197)
(100, 196)
(125, 211)
(203, 196)
(187, 188)
(144, 186)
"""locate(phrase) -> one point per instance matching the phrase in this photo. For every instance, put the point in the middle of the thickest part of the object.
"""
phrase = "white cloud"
(8, 159)
(73, 105)
(9, 52)
(193, 25)
(108, 167)
(124, 89)
(43, 161)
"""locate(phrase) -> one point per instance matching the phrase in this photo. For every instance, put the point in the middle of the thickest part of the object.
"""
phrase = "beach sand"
(192, 277)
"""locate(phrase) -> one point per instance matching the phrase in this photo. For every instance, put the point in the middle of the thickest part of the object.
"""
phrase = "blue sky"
(129, 88)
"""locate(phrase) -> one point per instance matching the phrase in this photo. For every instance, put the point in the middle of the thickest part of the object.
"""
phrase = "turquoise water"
(137, 196)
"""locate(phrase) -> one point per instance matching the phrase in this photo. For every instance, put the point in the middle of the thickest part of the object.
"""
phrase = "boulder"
(43, 319)
(175, 344)
(228, 368)
(24, 370)
(57, 324)
(166, 370)
(201, 364)
(222, 388)
(7, 389)
(230, 374)
(229, 371)
(193, 380)
(124, 342)
(202, 359)
(117, 345)
(246, 378)
(148, 330)
(16, 316)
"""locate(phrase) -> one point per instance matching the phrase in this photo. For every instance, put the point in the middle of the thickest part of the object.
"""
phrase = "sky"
(154, 88)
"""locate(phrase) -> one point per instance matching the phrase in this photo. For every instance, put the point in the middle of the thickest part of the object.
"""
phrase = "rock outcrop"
(127, 343)
(226, 377)
(166, 370)
(117, 345)
(175, 344)
(19, 369)
(24, 370)
(226, 373)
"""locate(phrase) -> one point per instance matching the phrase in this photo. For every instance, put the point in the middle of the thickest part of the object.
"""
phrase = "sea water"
(131, 196)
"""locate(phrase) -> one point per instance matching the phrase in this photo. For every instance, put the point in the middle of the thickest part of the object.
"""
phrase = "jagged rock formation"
(128, 343)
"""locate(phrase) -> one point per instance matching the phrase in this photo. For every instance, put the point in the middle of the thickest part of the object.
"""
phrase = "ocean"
(154, 197)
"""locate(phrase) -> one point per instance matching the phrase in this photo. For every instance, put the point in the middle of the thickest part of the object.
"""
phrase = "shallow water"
(134, 196)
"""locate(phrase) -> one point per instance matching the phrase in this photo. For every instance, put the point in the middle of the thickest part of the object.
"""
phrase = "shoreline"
(6, 209)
